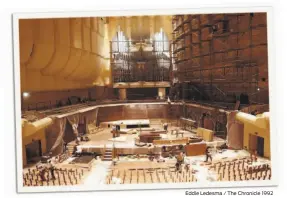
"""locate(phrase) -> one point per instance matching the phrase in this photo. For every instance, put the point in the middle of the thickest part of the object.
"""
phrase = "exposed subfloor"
(226, 166)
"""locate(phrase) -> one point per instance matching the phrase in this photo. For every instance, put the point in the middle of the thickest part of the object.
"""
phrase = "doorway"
(256, 143)
(33, 151)
(260, 146)
(82, 127)
(69, 134)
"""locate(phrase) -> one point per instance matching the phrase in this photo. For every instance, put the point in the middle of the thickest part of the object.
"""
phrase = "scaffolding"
(221, 54)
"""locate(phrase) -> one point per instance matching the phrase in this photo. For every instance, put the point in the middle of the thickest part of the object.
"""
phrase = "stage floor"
(105, 138)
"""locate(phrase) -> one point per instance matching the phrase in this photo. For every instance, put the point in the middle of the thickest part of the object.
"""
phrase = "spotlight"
(258, 89)
(26, 94)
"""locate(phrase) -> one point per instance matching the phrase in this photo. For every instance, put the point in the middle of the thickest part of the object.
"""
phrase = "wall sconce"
(26, 94)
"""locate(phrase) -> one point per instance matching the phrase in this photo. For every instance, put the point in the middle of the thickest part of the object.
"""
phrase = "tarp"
(74, 121)
(54, 136)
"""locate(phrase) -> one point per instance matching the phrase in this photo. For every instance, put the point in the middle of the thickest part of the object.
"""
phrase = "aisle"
(98, 174)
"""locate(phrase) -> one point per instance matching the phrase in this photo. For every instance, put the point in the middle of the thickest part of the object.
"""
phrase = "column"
(123, 94)
(161, 93)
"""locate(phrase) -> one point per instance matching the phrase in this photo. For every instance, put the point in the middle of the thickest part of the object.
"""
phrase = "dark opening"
(202, 120)
(69, 134)
(225, 26)
(33, 151)
(167, 91)
(214, 28)
(137, 126)
(82, 126)
(142, 93)
(244, 99)
(260, 146)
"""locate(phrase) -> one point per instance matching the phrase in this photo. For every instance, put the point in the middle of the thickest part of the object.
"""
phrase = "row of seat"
(151, 175)
(43, 176)
(240, 169)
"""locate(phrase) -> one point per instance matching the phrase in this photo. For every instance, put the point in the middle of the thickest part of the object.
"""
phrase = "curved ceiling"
(66, 53)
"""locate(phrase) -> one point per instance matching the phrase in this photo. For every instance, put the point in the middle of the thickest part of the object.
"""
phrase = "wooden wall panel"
(235, 135)
(156, 111)
(205, 33)
(195, 37)
(243, 24)
(259, 36)
(135, 112)
(195, 149)
(110, 113)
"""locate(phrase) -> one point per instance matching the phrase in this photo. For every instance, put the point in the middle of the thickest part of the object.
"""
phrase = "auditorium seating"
(63, 176)
(240, 169)
(151, 175)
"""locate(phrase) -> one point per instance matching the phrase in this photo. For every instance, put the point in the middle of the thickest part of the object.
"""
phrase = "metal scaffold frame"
(240, 73)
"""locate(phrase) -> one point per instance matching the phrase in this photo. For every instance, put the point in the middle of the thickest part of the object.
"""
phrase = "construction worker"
(65, 144)
(253, 155)
(52, 170)
(179, 161)
(165, 126)
(42, 173)
(114, 131)
(208, 154)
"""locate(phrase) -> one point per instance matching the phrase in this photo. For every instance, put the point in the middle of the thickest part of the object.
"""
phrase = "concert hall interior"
(144, 99)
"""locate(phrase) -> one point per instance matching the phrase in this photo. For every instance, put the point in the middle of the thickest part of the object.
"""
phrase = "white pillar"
(161, 93)
(123, 94)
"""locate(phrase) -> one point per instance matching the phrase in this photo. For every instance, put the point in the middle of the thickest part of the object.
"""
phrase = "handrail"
(104, 151)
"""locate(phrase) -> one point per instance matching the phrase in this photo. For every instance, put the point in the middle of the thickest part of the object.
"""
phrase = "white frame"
(272, 83)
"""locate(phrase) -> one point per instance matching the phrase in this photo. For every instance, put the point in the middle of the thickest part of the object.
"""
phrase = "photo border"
(113, 13)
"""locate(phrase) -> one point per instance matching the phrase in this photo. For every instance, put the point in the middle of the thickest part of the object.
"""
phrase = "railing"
(260, 108)
(115, 154)
(104, 151)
